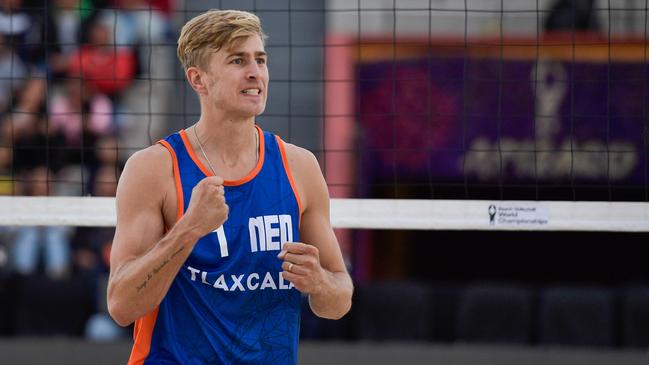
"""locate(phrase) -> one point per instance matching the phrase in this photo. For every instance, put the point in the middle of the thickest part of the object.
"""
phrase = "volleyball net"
(514, 115)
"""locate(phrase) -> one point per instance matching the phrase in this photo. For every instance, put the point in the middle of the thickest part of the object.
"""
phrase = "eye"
(261, 61)
(237, 61)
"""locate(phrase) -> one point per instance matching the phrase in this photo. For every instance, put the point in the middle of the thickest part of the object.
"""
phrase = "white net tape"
(377, 214)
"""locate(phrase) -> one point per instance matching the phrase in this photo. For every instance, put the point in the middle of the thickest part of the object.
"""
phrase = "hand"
(302, 267)
(207, 209)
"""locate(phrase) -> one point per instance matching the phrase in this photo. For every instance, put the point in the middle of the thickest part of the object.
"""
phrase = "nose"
(253, 71)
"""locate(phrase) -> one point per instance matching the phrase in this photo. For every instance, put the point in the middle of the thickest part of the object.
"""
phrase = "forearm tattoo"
(157, 269)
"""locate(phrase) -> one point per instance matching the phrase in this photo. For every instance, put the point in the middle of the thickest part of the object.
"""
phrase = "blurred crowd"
(75, 83)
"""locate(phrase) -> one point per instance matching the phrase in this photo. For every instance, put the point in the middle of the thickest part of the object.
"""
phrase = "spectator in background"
(67, 17)
(81, 114)
(13, 74)
(24, 27)
(35, 146)
(18, 126)
(20, 117)
(143, 108)
(107, 69)
(165, 6)
(15, 23)
(53, 240)
(137, 26)
(36, 161)
(21, 101)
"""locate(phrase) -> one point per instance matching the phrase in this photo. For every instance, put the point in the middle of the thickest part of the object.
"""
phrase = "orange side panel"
(142, 334)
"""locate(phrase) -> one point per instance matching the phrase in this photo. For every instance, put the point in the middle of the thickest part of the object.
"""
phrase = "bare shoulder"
(300, 159)
(155, 154)
(146, 176)
(146, 165)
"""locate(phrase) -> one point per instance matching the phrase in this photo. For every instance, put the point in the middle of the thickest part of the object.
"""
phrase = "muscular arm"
(319, 270)
(144, 260)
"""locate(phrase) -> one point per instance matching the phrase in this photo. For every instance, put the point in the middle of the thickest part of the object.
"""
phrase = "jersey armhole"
(287, 169)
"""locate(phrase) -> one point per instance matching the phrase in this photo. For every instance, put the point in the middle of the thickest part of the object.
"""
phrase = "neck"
(228, 143)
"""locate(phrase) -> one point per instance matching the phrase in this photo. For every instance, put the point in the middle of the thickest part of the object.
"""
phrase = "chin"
(255, 111)
(260, 110)
(246, 113)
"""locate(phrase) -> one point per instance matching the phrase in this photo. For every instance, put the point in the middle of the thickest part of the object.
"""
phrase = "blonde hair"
(214, 30)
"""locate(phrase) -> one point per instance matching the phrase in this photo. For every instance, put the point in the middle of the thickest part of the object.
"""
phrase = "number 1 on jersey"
(223, 242)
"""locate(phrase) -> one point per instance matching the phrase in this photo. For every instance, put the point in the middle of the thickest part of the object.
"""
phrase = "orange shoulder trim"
(179, 187)
(287, 168)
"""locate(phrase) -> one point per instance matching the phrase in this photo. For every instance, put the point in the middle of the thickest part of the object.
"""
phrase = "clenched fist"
(207, 209)
(301, 265)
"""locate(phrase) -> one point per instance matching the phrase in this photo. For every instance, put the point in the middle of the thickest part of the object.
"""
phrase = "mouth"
(252, 91)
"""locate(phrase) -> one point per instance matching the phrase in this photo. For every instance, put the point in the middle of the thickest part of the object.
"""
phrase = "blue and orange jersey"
(229, 303)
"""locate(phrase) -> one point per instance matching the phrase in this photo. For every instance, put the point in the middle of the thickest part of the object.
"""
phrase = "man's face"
(237, 78)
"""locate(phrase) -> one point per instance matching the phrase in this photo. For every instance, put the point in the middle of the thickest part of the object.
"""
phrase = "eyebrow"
(241, 54)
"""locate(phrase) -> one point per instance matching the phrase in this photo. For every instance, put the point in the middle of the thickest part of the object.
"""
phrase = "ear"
(196, 79)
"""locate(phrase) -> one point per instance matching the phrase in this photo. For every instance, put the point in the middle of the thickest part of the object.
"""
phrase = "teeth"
(251, 91)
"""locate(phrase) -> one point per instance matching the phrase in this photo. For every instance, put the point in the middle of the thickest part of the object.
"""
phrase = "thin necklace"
(200, 145)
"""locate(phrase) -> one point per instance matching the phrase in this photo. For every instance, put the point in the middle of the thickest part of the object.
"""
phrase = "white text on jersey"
(270, 232)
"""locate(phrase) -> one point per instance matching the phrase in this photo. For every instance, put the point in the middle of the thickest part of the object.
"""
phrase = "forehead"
(251, 44)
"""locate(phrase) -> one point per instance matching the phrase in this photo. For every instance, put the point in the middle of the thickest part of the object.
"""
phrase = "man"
(221, 226)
